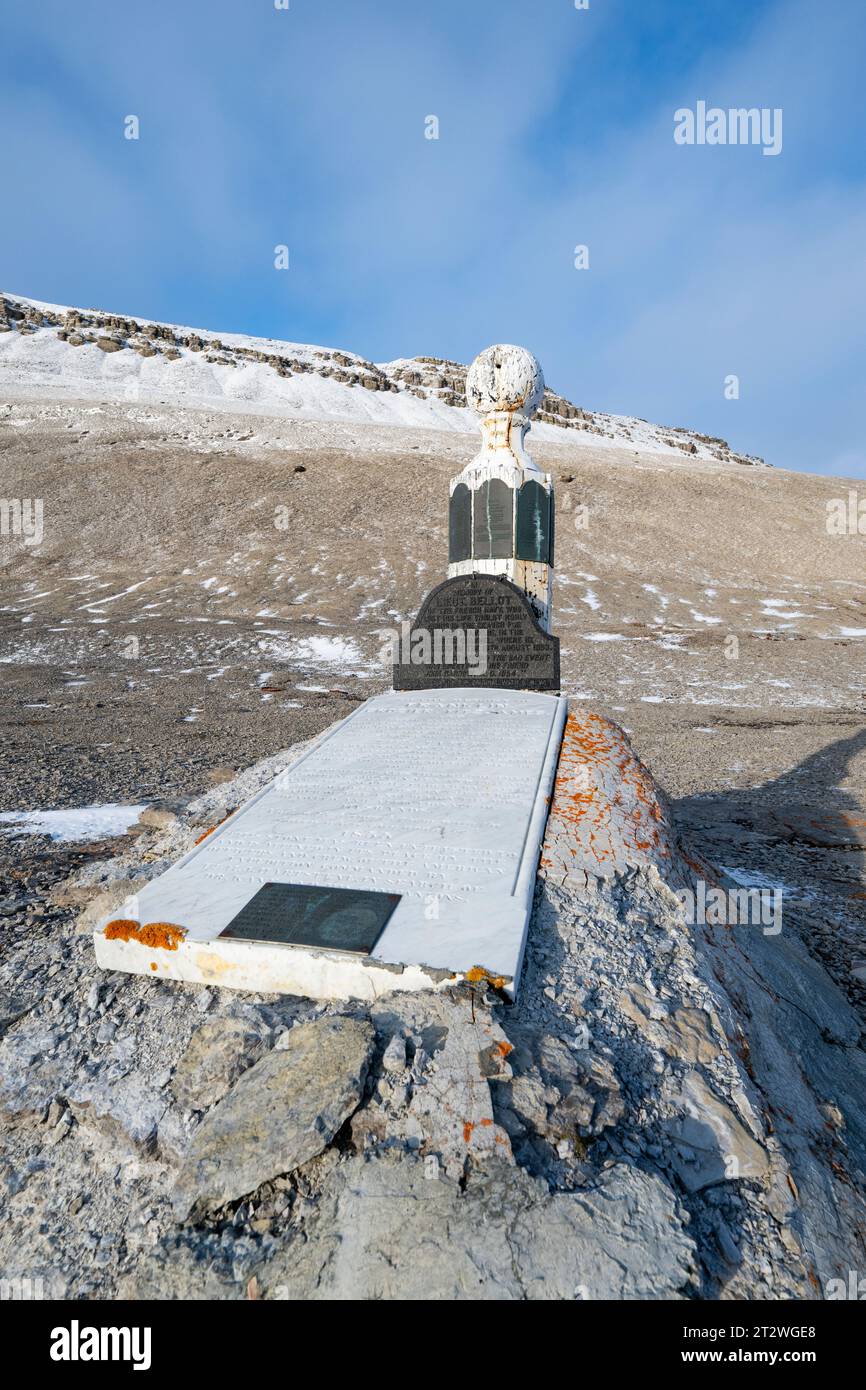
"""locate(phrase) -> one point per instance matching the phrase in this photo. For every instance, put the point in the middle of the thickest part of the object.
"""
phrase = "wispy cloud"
(556, 128)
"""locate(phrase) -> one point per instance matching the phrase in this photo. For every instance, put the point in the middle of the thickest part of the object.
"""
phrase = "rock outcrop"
(668, 1111)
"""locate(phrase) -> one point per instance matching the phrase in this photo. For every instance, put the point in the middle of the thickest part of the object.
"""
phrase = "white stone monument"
(502, 505)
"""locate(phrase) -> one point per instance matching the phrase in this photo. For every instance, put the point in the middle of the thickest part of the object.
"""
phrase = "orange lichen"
(478, 975)
(165, 935)
(505, 1048)
(119, 927)
(598, 819)
(212, 828)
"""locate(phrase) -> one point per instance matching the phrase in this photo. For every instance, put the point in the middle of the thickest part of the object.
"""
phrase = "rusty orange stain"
(478, 974)
(581, 806)
(214, 827)
(155, 934)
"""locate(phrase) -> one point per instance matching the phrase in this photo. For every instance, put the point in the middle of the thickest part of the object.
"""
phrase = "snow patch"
(79, 823)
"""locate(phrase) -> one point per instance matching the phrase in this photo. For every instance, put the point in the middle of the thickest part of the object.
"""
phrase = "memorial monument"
(400, 851)
(497, 597)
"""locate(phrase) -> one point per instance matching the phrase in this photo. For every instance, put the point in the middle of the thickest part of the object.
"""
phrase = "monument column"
(502, 508)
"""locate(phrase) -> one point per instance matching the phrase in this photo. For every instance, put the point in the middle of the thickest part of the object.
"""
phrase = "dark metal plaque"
(460, 525)
(494, 521)
(533, 523)
(300, 914)
(518, 653)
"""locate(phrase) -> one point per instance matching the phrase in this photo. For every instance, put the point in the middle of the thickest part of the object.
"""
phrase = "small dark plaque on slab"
(300, 914)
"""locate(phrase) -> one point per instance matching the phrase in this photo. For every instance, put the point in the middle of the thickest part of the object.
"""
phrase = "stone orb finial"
(507, 378)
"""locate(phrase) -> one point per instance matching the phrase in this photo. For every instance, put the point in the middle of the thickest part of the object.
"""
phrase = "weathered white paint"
(505, 379)
(266, 968)
(440, 796)
(505, 385)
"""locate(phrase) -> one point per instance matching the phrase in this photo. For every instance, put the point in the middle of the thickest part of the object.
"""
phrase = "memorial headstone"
(476, 631)
(400, 852)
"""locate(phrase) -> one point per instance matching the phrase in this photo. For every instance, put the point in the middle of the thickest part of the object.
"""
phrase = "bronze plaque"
(518, 653)
(460, 525)
(301, 914)
(533, 523)
(494, 521)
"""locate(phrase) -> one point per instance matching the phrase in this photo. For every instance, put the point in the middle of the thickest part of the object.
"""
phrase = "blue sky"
(305, 127)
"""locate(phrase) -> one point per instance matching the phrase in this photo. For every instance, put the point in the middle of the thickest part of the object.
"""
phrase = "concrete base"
(267, 968)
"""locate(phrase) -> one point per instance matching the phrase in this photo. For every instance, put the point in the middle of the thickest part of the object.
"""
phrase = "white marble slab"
(441, 796)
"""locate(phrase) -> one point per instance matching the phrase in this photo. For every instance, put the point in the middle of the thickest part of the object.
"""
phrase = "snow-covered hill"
(68, 353)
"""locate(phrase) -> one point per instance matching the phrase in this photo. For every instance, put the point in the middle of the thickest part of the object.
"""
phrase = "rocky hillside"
(64, 350)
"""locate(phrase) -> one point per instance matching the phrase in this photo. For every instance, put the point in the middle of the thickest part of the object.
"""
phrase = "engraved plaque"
(460, 525)
(533, 518)
(494, 521)
(300, 914)
(501, 643)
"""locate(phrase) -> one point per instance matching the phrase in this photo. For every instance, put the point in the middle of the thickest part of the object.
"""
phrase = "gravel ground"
(98, 1124)
(739, 780)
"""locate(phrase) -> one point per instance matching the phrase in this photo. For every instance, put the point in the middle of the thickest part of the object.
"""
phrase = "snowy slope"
(53, 350)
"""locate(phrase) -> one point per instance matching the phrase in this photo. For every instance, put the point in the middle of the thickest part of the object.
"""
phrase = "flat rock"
(218, 1053)
(127, 1111)
(107, 902)
(713, 1144)
(32, 1074)
(158, 817)
(452, 1113)
(683, 1032)
(385, 1231)
(11, 1009)
(280, 1113)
